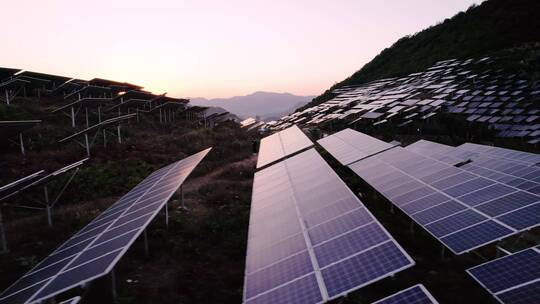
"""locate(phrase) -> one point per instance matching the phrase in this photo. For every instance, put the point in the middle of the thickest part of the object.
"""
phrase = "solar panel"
(511, 172)
(514, 278)
(512, 155)
(323, 243)
(95, 249)
(459, 208)
(417, 294)
(348, 146)
(282, 144)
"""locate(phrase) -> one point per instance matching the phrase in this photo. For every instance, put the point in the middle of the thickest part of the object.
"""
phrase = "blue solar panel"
(416, 294)
(456, 202)
(348, 146)
(508, 203)
(302, 291)
(330, 226)
(512, 279)
(486, 194)
(425, 203)
(438, 212)
(363, 268)
(475, 236)
(277, 274)
(282, 144)
(455, 222)
(524, 218)
(527, 294)
(95, 249)
(350, 243)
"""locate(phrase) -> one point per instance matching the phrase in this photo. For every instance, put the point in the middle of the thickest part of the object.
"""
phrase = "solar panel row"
(282, 144)
(513, 155)
(461, 209)
(310, 238)
(513, 173)
(348, 146)
(417, 294)
(511, 279)
(95, 249)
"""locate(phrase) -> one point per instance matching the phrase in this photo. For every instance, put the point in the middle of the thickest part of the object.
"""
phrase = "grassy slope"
(494, 25)
(200, 258)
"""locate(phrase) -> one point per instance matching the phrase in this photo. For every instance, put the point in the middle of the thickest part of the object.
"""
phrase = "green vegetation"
(482, 30)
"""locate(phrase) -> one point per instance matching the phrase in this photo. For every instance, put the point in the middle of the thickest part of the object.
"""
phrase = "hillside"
(494, 25)
(266, 105)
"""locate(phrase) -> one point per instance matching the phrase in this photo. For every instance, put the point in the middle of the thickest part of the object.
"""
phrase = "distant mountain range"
(267, 105)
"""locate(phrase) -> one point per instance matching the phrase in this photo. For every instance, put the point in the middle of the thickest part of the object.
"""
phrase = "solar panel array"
(508, 154)
(512, 279)
(417, 294)
(520, 173)
(348, 146)
(461, 209)
(95, 249)
(310, 238)
(471, 89)
(282, 144)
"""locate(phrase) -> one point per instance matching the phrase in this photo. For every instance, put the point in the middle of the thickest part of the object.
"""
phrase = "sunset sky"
(211, 48)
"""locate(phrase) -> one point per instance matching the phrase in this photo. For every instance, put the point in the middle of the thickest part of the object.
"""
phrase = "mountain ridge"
(266, 105)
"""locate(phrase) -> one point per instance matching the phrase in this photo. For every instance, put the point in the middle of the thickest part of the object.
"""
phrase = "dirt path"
(195, 183)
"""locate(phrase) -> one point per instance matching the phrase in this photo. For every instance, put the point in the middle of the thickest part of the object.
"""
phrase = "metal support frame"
(21, 143)
(442, 252)
(3, 241)
(167, 215)
(73, 117)
(114, 294)
(182, 201)
(46, 203)
(146, 249)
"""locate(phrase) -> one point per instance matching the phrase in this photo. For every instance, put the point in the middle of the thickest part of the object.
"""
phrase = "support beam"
(87, 121)
(21, 143)
(87, 144)
(47, 205)
(3, 242)
(113, 286)
(119, 134)
(7, 97)
(146, 249)
(72, 117)
(167, 215)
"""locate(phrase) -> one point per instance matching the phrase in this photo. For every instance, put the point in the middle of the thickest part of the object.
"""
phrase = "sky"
(211, 48)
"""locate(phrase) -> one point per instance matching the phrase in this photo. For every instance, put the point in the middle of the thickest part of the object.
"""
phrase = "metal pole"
(167, 215)
(72, 117)
(442, 252)
(119, 135)
(113, 285)
(21, 141)
(7, 97)
(48, 206)
(87, 123)
(104, 138)
(99, 114)
(160, 119)
(182, 197)
(87, 144)
(3, 242)
(146, 250)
